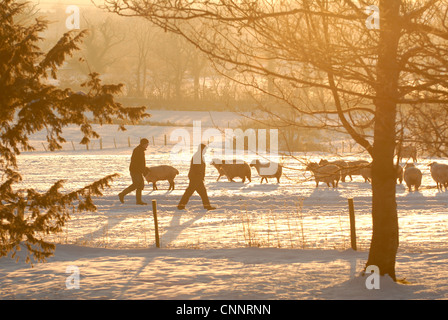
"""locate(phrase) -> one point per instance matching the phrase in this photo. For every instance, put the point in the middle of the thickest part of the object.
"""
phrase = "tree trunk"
(384, 245)
(196, 71)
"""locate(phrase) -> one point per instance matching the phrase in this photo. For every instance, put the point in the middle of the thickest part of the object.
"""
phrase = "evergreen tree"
(28, 104)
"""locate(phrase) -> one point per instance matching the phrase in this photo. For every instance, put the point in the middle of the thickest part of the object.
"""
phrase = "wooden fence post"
(156, 224)
(351, 209)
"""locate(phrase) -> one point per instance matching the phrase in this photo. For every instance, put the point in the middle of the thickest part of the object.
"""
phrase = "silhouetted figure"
(196, 176)
(136, 169)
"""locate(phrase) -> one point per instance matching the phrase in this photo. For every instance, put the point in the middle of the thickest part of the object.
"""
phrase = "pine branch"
(27, 217)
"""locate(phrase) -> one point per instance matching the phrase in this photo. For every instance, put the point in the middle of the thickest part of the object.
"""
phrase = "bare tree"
(363, 75)
(197, 65)
(99, 46)
(171, 61)
(144, 36)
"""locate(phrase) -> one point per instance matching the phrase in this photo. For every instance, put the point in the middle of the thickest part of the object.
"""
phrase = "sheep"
(217, 163)
(412, 177)
(355, 168)
(351, 168)
(341, 164)
(232, 169)
(439, 172)
(267, 170)
(329, 173)
(158, 173)
(399, 173)
(407, 152)
(366, 172)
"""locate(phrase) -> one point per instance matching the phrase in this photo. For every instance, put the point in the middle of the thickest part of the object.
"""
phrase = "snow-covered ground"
(265, 241)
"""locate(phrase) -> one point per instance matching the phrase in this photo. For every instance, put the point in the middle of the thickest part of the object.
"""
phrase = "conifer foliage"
(28, 103)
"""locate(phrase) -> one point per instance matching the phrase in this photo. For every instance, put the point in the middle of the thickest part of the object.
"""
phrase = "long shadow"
(251, 256)
(414, 195)
(227, 185)
(323, 191)
(173, 231)
(266, 187)
(175, 228)
(243, 187)
(418, 200)
(112, 220)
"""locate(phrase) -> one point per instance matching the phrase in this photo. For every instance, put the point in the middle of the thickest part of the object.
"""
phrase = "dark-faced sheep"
(217, 163)
(232, 169)
(329, 173)
(355, 168)
(439, 172)
(267, 170)
(412, 177)
(159, 173)
(366, 172)
(341, 164)
(407, 152)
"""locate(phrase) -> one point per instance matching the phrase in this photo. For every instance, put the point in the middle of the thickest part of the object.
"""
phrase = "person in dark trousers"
(136, 169)
(196, 176)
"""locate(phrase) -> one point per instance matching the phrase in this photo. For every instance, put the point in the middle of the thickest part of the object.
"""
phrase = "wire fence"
(104, 143)
(332, 147)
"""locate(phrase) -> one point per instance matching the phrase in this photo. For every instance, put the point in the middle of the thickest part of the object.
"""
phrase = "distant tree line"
(153, 65)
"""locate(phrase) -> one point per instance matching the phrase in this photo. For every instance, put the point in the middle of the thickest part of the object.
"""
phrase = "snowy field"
(265, 241)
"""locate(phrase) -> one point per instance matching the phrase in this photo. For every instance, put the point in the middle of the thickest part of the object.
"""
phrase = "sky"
(63, 2)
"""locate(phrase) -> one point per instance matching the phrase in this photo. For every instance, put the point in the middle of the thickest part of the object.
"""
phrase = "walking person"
(136, 169)
(196, 176)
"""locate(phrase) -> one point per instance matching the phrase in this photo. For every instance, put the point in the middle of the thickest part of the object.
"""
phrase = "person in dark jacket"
(196, 176)
(136, 169)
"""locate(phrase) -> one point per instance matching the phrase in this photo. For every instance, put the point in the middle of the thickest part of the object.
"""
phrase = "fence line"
(111, 143)
(338, 147)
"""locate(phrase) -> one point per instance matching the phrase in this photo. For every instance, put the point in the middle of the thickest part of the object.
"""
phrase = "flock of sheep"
(230, 169)
(333, 172)
(324, 171)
